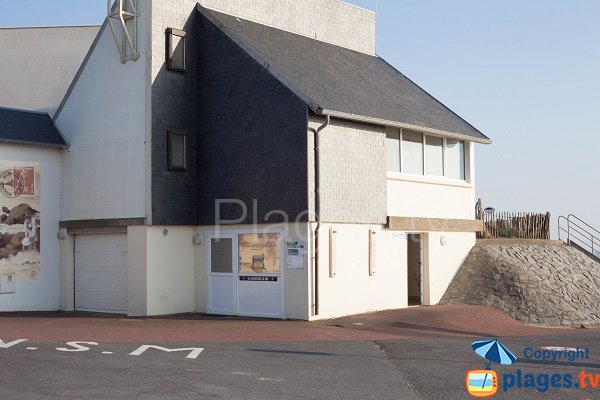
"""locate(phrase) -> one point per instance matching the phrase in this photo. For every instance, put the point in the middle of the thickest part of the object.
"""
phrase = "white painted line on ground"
(31, 348)
(107, 352)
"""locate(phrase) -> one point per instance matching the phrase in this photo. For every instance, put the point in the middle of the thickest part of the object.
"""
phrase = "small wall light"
(62, 233)
(443, 240)
(198, 239)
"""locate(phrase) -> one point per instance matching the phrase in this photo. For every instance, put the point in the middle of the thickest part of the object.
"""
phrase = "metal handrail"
(583, 222)
(585, 236)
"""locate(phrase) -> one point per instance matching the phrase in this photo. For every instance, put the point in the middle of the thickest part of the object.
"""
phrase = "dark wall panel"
(247, 136)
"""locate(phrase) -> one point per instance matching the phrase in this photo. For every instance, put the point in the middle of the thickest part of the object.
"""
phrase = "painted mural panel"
(20, 219)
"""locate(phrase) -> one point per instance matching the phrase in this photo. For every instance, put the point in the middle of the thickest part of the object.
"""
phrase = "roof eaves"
(24, 111)
(248, 49)
(64, 145)
(485, 139)
(30, 142)
(396, 124)
(48, 27)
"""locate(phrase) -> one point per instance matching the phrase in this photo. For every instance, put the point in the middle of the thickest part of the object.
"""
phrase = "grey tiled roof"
(341, 82)
(28, 127)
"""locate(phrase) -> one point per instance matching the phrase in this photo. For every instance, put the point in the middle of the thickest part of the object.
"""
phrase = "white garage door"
(101, 273)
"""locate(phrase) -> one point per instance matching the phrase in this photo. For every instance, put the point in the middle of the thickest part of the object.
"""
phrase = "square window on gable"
(176, 148)
(176, 49)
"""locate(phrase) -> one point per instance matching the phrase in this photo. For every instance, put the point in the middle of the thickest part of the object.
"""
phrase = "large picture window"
(412, 152)
(434, 148)
(392, 149)
(415, 153)
(455, 151)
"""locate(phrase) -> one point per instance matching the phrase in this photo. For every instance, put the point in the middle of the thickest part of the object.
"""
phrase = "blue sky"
(526, 73)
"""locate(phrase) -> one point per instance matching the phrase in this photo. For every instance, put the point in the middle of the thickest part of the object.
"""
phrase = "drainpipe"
(317, 210)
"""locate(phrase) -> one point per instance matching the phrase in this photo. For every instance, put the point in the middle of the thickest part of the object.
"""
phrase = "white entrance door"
(245, 275)
(101, 273)
(221, 275)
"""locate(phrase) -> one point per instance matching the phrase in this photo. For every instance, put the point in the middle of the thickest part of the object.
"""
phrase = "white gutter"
(377, 121)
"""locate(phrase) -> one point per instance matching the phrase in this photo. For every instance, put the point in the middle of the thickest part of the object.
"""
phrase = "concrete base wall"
(444, 254)
(161, 276)
(168, 273)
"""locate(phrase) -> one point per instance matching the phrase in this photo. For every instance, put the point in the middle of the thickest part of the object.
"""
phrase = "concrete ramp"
(539, 282)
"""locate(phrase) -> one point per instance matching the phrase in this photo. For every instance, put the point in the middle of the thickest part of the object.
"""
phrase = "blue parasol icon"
(493, 351)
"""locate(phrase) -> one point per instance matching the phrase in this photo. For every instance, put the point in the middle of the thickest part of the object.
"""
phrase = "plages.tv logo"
(482, 383)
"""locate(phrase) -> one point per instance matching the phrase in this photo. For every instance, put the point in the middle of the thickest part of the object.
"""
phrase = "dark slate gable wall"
(174, 105)
(252, 134)
(247, 135)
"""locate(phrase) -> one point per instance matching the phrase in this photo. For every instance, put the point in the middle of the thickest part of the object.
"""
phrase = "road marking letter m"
(194, 351)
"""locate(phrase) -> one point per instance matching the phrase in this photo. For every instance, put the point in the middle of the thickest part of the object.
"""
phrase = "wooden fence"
(516, 225)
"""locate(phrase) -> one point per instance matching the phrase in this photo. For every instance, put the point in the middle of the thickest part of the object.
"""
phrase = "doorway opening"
(415, 269)
(245, 274)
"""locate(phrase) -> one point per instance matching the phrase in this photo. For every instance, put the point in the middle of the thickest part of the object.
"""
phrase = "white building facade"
(255, 158)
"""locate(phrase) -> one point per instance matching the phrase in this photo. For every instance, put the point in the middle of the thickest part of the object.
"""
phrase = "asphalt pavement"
(419, 353)
(294, 370)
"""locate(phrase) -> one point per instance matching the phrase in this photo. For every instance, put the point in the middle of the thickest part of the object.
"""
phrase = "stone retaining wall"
(540, 282)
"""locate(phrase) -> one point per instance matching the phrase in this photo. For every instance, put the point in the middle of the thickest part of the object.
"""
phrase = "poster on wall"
(295, 255)
(20, 219)
(259, 253)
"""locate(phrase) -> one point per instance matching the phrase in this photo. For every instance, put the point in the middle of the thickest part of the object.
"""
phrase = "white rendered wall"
(137, 270)
(161, 275)
(38, 64)
(421, 199)
(416, 196)
(105, 122)
(42, 293)
(171, 273)
(353, 291)
(442, 262)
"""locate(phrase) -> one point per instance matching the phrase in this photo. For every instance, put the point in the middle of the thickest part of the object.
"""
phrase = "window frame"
(176, 132)
(170, 33)
(444, 158)
(403, 158)
(466, 155)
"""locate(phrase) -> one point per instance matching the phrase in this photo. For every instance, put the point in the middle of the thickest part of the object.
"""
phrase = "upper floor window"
(416, 153)
(392, 148)
(176, 149)
(434, 153)
(412, 152)
(175, 49)
(455, 151)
